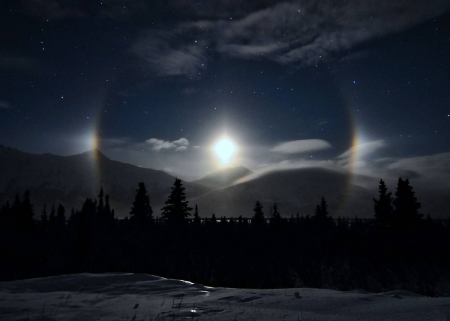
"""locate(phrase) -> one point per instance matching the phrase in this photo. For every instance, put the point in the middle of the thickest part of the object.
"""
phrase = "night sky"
(360, 85)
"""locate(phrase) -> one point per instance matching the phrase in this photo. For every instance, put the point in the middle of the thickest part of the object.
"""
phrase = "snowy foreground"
(145, 297)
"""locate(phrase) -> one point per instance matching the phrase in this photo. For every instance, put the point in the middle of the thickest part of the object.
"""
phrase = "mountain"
(224, 177)
(71, 179)
(229, 192)
(298, 190)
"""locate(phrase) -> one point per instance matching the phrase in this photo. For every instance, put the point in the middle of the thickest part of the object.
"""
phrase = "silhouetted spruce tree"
(14, 212)
(61, 216)
(297, 219)
(406, 212)
(357, 226)
(26, 221)
(108, 213)
(196, 220)
(321, 212)
(100, 205)
(141, 211)
(258, 215)
(44, 218)
(72, 217)
(5, 217)
(307, 220)
(17, 204)
(275, 219)
(52, 218)
(383, 205)
(105, 217)
(177, 209)
(223, 221)
(88, 212)
(83, 223)
(213, 219)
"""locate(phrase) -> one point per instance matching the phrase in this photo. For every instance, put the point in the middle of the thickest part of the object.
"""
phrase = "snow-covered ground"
(145, 297)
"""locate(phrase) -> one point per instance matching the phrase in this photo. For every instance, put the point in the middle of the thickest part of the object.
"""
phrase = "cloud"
(437, 162)
(429, 171)
(433, 168)
(291, 33)
(158, 144)
(4, 104)
(301, 146)
(126, 145)
(180, 52)
(218, 9)
(291, 165)
(307, 31)
(361, 150)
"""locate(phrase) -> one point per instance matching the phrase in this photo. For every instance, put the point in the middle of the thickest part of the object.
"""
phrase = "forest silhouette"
(397, 249)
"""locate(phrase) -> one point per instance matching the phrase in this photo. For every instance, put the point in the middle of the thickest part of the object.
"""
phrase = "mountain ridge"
(69, 180)
(223, 178)
(294, 191)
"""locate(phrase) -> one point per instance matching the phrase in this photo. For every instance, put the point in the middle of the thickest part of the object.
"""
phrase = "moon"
(225, 149)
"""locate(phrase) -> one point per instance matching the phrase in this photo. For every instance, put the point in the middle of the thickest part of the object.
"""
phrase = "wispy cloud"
(180, 52)
(4, 104)
(429, 172)
(434, 169)
(298, 32)
(363, 165)
(219, 9)
(308, 32)
(159, 144)
(301, 146)
(291, 33)
(362, 150)
(126, 144)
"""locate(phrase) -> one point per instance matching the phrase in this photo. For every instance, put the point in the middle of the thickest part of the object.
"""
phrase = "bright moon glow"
(225, 150)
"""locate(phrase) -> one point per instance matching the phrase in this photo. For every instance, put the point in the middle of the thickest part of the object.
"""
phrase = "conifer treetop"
(177, 208)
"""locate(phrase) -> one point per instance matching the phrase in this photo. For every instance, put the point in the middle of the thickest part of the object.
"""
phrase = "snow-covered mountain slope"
(70, 180)
(224, 178)
(145, 297)
(298, 190)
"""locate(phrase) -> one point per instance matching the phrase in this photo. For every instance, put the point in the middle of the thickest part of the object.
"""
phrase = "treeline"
(398, 249)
